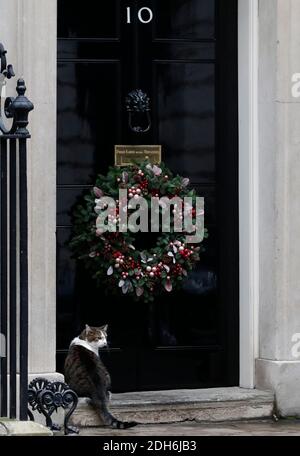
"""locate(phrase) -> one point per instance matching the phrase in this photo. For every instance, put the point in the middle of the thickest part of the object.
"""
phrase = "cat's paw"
(71, 430)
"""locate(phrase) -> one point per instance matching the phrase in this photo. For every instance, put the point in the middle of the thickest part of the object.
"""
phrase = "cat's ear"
(104, 328)
(87, 329)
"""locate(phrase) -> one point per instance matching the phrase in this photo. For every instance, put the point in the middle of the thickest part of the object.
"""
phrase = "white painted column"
(248, 189)
(278, 366)
(28, 31)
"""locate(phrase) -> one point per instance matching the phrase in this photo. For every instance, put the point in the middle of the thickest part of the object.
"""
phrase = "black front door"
(183, 53)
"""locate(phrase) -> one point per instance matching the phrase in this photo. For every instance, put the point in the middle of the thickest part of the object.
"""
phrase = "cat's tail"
(116, 424)
(107, 418)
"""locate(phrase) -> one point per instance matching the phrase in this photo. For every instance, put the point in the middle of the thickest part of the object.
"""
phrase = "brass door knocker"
(137, 104)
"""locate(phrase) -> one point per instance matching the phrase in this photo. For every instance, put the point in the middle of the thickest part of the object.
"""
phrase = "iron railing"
(14, 247)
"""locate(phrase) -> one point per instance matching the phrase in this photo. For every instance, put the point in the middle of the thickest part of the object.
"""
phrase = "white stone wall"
(279, 215)
(28, 31)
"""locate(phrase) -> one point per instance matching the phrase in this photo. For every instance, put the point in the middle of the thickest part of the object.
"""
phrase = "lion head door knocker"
(138, 108)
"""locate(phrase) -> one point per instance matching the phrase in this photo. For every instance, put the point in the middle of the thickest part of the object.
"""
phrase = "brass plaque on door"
(128, 155)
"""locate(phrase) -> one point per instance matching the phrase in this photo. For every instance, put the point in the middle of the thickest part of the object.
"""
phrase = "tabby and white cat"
(88, 377)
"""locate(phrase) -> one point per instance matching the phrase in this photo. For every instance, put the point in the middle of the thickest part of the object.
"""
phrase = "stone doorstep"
(205, 405)
(14, 428)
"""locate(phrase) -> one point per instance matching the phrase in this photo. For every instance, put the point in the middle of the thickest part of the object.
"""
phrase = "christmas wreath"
(112, 257)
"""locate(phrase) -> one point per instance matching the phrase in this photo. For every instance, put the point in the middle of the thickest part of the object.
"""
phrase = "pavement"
(243, 428)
